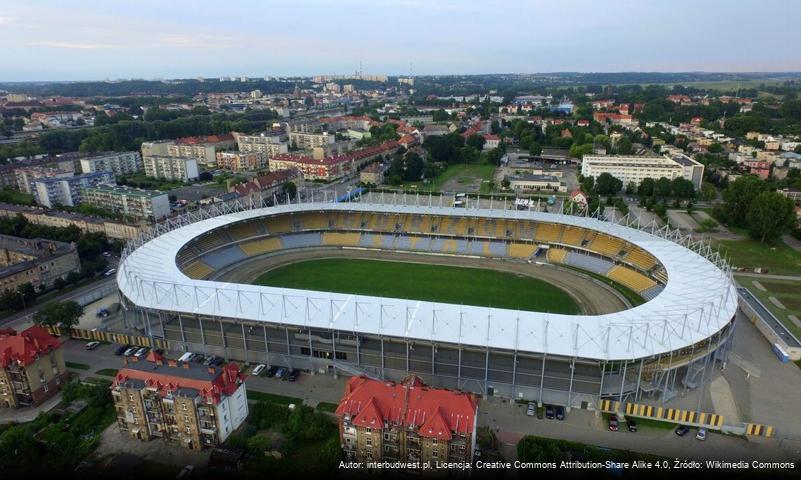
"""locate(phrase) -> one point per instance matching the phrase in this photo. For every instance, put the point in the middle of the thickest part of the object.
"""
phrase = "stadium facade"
(666, 344)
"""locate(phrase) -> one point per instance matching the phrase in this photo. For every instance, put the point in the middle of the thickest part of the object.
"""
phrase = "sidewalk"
(21, 415)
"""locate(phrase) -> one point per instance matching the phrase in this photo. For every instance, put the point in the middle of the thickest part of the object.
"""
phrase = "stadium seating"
(314, 221)
(197, 270)
(606, 245)
(640, 258)
(455, 226)
(259, 247)
(222, 257)
(573, 236)
(588, 262)
(341, 239)
(210, 241)
(521, 250)
(243, 230)
(280, 224)
(660, 275)
(628, 277)
(301, 240)
(526, 230)
(548, 232)
(651, 293)
(449, 246)
(184, 256)
(556, 255)
(425, 225)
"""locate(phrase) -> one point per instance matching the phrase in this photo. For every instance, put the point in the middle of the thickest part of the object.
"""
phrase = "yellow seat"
(197, 270)
(341, 239)
(547, 232)
(628, 277)
(243, 230)
(521, 250)
(556, 255)
(641, 259)
(258, 247)
(606, 245)
(573, 236)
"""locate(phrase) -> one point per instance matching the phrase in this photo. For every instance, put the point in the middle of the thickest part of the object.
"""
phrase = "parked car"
(186, 357)
(110, 272)
(550, 414)
(141, 352)
(130, 351)
(293, 375)
(631, 424)
(682, 430)
(271, 372)
(560, 413)
(531, 409)
(613, 423)
(280, 372)
(92, 345)
(208, 361)
(701, 435)
(258, 369)
(121, 349)
(198, 358)
(217, 361)
(185, 472)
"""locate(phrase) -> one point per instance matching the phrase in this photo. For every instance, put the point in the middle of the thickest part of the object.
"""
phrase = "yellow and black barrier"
(111, 337)
(673, 415)
(757, 430)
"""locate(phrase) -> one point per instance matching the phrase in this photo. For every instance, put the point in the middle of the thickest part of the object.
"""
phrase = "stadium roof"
(698, 300)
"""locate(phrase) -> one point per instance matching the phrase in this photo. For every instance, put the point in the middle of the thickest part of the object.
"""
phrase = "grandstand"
(508, 353)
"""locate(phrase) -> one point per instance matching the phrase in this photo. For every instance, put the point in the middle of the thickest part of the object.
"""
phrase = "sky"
(111, 39)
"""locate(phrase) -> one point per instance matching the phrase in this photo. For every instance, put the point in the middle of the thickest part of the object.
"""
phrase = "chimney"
(172, 363)
(159, 362)
(186, 365)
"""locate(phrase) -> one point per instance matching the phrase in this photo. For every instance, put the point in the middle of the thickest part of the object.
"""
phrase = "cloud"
(71, 45)
(6, 20)
(176, 40)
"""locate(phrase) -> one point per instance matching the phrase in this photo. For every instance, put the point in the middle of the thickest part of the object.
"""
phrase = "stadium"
(190, 283)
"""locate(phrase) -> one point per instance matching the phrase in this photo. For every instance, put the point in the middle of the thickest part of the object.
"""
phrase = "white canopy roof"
(698, 300)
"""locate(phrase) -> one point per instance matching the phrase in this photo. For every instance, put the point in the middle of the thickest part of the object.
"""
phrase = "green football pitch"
(419, 281)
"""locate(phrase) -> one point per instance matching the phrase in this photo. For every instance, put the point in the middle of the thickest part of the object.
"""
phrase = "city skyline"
(94, 41)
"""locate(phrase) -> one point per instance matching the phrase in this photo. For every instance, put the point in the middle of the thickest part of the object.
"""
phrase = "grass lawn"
(464, 174)
(108, 372)
(778, 259)
(788, 293)
(77, 366)
(418, 281)
(271, 397)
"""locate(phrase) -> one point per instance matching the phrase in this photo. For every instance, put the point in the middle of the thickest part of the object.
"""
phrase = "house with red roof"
(32, 367)
(406, 421)
(188, 404)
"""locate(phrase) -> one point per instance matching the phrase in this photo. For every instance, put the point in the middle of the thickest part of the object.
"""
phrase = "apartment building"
(268, 143)
(203, 149)
(86, 223)
(407, 421)
(268, 185)
(32, 367)
(67, 191)
(309, 140)
(531, 182)
(372, 174)
(331, 167)
(118, 163)
(142, 204)
(180, 169)
(634, 168)
(241, 161)
(191, 405)
(36, 261)
(26, 177)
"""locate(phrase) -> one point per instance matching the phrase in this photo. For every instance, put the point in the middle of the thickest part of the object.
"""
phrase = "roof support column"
(244, 342)
(542, 380)
(570, 387)
(639, 378)
(222, 337)
(266, 345)
(622, 381)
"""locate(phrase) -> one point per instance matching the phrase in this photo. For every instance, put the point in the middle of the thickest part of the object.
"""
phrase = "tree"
(769, 215)
(535, 149)
(440, 116)
(715, 148)
(624, 146)
(64, 314)
(476, 141)
(607, 184)
(646, 188)
(682, 188)
(662, 187)
(290, 189)
(738, 197)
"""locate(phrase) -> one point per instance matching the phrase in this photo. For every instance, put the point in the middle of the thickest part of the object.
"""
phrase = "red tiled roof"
(334, 159)
(433, 413)
(264, 182)
(165, 379)
(207, 139)
(23, 348)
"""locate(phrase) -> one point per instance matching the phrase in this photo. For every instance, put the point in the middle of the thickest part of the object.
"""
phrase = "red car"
(613, 423)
